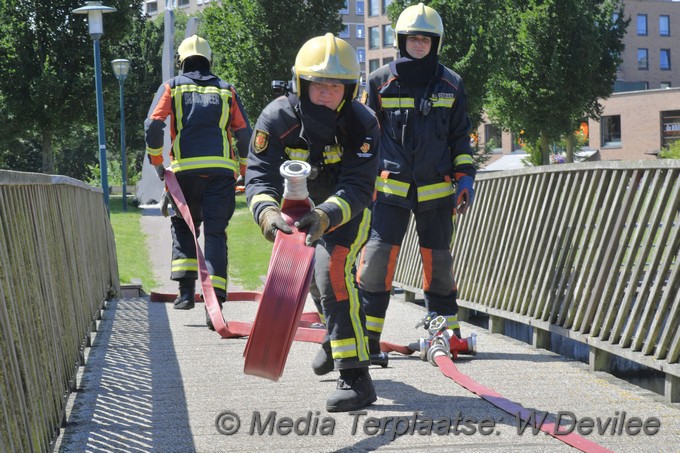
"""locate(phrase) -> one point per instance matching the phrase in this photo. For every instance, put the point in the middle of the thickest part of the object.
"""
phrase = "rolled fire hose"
(285, 291)
(306, 330)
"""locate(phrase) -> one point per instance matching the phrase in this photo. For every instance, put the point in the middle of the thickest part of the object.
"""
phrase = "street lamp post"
(95, 11)
(121, 67)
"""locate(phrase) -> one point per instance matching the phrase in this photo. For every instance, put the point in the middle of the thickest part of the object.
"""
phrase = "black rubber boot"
(208, 321)
(354, 391)
(378, 357)
(186, 298)
(323, 361)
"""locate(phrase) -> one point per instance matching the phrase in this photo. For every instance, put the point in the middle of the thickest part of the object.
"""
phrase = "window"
(387, 60)
(373, 65)
(360, 31)
(670, 127)
(373, 38)
(359, 8)
(151, 7)
(643, 59)
(373, 7)
(611, 131)
(665, 59)
(665, 85)
(345, 9)
(493, 137)
(386, 3)
(664, 25)
(344, 33)
(181, 3)
(388, 35)
(361, 54)
(642, 25)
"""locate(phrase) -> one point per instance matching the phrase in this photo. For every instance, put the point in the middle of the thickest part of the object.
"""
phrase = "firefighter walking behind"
(425, 146)
(205, 113)
(320, 123)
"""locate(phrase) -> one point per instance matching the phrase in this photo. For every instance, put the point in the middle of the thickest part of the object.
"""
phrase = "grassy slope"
(249, 252)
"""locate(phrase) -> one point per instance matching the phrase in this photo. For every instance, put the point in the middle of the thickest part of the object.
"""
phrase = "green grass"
(133, 260)
(249, 251)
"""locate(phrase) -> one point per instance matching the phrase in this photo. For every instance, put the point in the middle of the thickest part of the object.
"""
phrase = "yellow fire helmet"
(194, 46)
(418, 20)
(327, 59)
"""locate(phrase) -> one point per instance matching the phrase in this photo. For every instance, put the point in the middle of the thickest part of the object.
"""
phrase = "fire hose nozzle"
(423, 347)
(438, 346)
(472, 343)
(295, 173)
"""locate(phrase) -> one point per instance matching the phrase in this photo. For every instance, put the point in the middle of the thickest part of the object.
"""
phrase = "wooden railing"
(588, 251)
(57, 267)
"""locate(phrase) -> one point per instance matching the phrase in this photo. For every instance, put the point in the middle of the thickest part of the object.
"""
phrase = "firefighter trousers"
(211, 200)
(335, 293)
(378, 259)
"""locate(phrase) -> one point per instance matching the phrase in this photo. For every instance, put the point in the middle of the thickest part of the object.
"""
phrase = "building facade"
(652, 37)
(636, 124)
(380, 48)
(643, 114)
(155, 7)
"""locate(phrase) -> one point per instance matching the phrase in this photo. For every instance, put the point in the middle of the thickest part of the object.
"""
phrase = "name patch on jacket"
(204, 99)
(260, 141)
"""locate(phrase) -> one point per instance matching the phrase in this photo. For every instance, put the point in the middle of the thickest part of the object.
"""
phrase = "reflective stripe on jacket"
(204, 111)
(424, 142)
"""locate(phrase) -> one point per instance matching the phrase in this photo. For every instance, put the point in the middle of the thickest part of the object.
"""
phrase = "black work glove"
(160, 171)
(270, 221)
(166, 201)
(316, 222)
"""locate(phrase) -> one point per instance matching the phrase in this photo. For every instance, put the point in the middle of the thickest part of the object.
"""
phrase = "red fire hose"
(290, 273)
(283, 298)
(285, 291)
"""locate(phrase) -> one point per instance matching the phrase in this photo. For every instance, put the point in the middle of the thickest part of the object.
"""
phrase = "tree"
(143, 46)
(46, 54)
(256, 41)
(560, 61)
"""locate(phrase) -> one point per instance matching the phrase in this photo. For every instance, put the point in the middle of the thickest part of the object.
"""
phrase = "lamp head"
(121, 67)
(95, 20)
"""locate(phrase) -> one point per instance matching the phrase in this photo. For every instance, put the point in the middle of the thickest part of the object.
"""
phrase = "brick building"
(643, 114)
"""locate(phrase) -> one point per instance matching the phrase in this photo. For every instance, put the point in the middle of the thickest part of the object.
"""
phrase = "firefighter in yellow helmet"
(424, 151)
(205, 113)
(320, 123)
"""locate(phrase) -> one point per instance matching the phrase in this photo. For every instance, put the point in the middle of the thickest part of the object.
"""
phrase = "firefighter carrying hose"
(204, 113)
(321, 124)
(424, 148)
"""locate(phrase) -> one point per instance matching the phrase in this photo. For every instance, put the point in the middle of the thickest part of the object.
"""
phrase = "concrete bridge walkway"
(157, 379)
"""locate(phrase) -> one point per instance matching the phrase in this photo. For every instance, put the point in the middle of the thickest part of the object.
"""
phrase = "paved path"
(156, 380)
